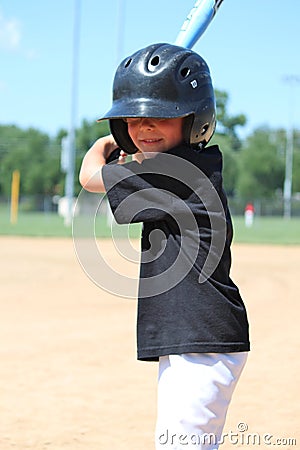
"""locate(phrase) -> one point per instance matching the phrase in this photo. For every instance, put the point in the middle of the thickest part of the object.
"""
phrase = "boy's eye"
(135, 120)
(131, 119)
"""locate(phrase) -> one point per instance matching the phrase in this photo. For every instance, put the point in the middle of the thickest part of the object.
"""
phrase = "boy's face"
(155, 135)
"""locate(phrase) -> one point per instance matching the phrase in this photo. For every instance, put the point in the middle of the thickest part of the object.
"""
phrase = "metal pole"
(71, 147)
(287, 188)
(119, 55)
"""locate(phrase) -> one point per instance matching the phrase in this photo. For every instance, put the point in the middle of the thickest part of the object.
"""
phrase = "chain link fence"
(50, 204)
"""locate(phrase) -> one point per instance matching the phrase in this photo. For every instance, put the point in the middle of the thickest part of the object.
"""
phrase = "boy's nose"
(146, 122)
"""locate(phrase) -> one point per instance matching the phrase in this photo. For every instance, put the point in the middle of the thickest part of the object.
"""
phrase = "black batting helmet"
(163, 81)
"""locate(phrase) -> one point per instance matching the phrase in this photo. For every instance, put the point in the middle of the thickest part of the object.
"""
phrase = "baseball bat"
(196, 22)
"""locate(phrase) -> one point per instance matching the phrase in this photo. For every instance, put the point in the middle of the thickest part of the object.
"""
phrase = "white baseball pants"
(194, 392)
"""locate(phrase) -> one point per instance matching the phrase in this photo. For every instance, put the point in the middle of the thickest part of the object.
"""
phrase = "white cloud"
(11, 36)
(10, 33)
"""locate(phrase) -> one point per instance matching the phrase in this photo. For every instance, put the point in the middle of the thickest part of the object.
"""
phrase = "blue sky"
(250, 46)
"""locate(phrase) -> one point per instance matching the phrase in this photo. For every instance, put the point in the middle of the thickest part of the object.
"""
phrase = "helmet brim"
(146, 108)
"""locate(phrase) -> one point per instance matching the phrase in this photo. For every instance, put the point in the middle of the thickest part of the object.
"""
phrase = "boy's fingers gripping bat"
(114, 156)
(196, 22)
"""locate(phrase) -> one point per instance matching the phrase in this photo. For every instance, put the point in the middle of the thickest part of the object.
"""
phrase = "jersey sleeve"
(163, 187)
(137, 195)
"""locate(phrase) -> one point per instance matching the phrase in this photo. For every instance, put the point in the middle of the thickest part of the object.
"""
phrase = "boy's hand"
(122, 157)
(117, 156)
(90, 175)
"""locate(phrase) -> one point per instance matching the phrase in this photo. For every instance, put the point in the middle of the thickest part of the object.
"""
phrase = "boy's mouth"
(150, 141)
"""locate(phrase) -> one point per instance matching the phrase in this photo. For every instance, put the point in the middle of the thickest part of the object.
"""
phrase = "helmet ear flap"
(187, 128)
(195, 132)
(204, 123)
(119, 129)
(198, 131)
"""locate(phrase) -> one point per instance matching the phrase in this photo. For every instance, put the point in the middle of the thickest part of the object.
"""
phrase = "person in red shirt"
(249, 215)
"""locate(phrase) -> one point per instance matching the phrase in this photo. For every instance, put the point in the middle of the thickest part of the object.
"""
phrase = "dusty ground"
(69, 378)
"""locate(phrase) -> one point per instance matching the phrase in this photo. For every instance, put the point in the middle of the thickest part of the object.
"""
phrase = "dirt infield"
(69, 377)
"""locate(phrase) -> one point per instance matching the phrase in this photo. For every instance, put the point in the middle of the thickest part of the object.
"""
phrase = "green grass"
(268, 230)
(265, 230)
(34, 224)
(52, 225)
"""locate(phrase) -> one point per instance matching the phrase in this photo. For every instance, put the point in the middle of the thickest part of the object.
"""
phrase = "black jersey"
(187, 300)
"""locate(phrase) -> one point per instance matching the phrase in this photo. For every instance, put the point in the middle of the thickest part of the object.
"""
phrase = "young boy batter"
(191, 317)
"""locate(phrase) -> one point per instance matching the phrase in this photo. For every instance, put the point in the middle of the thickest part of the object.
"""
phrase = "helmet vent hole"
(154, 61)
(185, 72)
(128, 62)
(204, 129)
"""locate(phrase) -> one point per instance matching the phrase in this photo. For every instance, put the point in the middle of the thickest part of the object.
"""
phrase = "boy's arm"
(90, 175)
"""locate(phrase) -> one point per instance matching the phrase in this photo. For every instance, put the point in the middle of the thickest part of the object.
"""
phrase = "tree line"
(254, 167)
